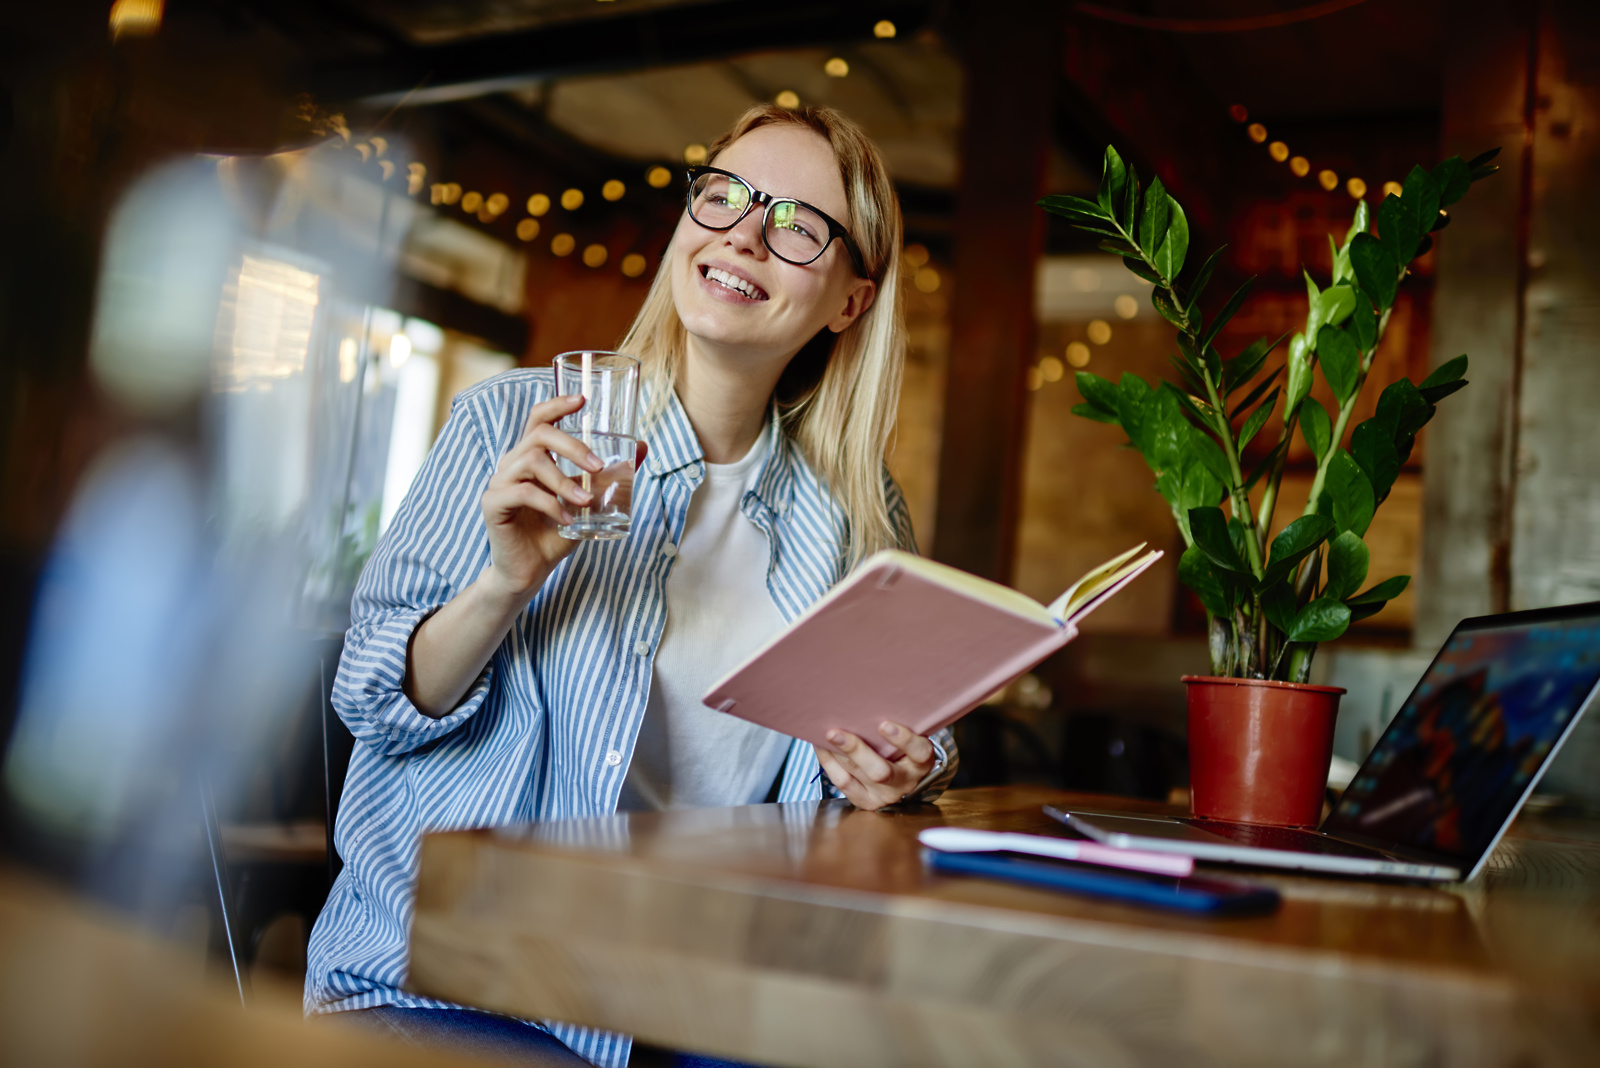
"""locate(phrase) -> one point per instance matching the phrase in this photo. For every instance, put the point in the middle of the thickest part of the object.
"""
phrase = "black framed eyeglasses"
(792, 230)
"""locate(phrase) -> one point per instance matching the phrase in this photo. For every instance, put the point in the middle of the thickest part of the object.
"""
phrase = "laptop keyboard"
(1285, 838)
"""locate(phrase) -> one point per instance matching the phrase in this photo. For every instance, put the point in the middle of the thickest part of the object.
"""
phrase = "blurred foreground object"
(81, 990)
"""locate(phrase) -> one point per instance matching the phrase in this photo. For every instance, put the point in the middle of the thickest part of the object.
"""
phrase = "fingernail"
(594, 463)
(582, 494)
(890, 729)
(836, 737)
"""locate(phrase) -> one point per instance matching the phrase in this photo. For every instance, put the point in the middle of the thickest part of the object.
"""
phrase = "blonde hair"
(838, 397)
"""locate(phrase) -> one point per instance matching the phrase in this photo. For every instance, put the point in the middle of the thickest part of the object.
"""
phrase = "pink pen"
(968, 840)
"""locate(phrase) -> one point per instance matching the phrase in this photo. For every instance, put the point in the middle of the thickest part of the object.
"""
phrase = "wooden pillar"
(1477, 309)
(1011, 55)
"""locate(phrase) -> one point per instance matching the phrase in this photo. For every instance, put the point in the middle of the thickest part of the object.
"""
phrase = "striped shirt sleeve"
(435, 547)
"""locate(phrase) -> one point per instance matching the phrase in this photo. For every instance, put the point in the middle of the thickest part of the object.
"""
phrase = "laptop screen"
(1463, 749)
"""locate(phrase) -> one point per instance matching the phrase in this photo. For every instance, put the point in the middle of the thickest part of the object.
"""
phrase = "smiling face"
(732, 294)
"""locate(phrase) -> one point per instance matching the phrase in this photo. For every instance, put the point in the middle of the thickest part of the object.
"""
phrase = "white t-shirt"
(718, 612)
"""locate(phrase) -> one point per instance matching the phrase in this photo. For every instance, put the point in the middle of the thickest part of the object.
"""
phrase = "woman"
(495, 672)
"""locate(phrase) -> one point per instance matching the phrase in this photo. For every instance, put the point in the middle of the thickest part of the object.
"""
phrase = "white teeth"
(734, 282)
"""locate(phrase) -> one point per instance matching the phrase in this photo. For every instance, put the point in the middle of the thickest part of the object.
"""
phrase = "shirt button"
(642, 648)
(613, 758)
(694, 470)
(669, 550)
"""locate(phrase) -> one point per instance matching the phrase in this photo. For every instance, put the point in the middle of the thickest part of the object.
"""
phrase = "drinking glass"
(609, 385)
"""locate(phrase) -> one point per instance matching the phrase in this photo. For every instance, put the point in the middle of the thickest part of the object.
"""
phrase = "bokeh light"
(1257, 132)
(836, 67)
(1328, 179)
(594, 255)
(694, 155)
(1126, 306)
(1278, 151)
(528, 229)
(538, 204)
(1356, 188)
(1100, 332)
(633, 265)
(883, 29)
(1078, 354)
(613, 190)
(563, 244)
(787, 99)
(572, 199)
(658, 177)
(1052, 369)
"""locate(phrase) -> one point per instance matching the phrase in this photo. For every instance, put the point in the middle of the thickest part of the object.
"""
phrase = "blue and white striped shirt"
(547, 731)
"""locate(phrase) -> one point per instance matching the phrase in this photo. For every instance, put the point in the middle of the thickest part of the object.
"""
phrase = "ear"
(856, 302)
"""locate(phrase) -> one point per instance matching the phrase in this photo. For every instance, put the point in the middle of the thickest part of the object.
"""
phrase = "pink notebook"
(909, 640)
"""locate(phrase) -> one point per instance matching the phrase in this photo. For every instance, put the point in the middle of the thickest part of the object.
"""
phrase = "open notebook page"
(1082, 591)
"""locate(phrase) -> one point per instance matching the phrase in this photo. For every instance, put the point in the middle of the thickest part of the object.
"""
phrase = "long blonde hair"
(838, 397)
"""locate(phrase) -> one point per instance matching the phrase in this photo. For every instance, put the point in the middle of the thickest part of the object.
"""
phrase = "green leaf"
(1435, 394)
(1363, 323)
(1376, 269)
(1128, 213)
(1167, 431)
(1404, 410)
(1449, 371)
(1140, 268)
(1359, 224)
(1341, 363)
(1061, 204)
(1320, 621)
(1191, 377)
(1453, 179)
(1099, 394)
(1210, 455)
(1316, 427)
(1257, 420)
(1254, 394)
(1153, 225)
(1397, 228)
(1195, 571)
(1482, 158)
(1243, 367)
(1350, 491)
(1264, 465)
(1299, 364)
(1348, 559)
(1203, 277)
(1337, 304)
(1421, 195)
(1174, 247)
(1341, 262)
(1278, 605)
(1209, 528)
(1113, 182)
(1362, 611)
(1089, 411)
(1294, 543)
(1164, 303)
(1387, 590)
(1117, 247)
(1372, 445)
(1227, 312)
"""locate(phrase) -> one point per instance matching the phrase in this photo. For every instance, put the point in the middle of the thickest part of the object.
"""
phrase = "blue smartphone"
(1195, 895)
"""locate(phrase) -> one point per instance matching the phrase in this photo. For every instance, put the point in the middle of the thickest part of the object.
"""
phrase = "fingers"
(537, 466)
(550, 411)
(917, 749)
(860, 758)
(500, 502)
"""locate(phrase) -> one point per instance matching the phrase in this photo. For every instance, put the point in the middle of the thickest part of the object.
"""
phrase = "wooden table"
(810, 934)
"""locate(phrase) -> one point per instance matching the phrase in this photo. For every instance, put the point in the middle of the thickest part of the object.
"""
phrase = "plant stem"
(1346, 410)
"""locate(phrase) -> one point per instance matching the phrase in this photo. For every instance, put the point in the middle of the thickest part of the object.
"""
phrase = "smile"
(733, 283)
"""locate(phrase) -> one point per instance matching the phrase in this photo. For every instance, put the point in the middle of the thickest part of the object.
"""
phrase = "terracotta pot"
(1258, 750)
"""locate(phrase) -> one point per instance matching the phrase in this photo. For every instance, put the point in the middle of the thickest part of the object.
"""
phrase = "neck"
(726, 396)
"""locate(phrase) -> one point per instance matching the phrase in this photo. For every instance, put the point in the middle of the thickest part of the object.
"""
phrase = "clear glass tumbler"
(608, 424)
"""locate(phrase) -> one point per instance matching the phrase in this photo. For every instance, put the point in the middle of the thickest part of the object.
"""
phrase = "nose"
(746, 235)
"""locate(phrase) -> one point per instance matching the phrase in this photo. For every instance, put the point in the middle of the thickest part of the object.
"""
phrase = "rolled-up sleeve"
(433, 549)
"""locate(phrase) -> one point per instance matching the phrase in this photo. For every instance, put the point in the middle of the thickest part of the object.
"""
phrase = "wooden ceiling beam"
(629, 40)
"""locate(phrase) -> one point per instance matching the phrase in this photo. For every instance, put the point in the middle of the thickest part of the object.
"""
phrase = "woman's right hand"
(529, 497)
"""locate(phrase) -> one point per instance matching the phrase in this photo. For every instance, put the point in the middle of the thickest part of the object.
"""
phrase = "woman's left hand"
(867, 779)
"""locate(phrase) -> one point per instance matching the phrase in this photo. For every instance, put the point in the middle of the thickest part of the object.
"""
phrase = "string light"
(416, 174)
(594, 255)
(1356, 188)
(1328, 180)
(386, 168)
(613, 190)
(633, 265)
(1300, 166)
(1238, 113)
(1257, 132)
(926, 279)
(471, 203)
(572, 199)
(1035, 379)
(658, 178)
(916, 255)
(538, 204)
(1126, 307)
(1278, 151)
(1392, 189)
(528, 229)
(788, 98)
(135, 18)
(883, 29)
(563, 244)
(1078, 354)
(694, 155)
(836, 67)
(1051, 369)
(1100, 332)
(497, 203)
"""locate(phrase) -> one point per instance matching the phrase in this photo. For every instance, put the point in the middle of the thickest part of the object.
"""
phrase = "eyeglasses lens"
(794, 232)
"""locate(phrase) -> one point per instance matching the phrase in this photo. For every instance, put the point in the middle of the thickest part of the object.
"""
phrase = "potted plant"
(1260, 736)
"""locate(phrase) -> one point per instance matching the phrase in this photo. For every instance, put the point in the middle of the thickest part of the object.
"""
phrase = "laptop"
(1446, 778)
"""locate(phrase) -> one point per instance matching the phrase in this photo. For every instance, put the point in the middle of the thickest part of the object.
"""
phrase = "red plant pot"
(1259, 750)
